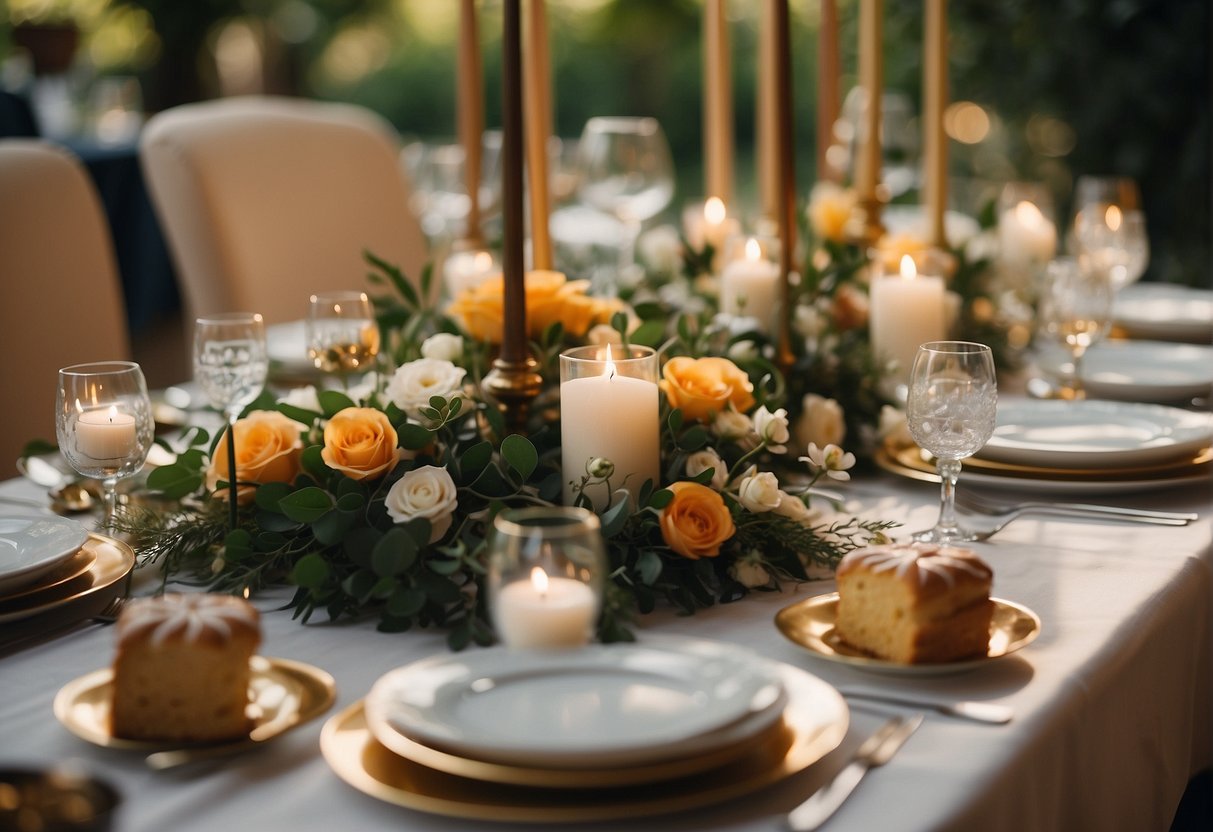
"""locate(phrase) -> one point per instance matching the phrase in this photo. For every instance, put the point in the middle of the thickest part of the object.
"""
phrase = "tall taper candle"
(871, 80)
(935, 98)
(787, 183)
(766, 123)
(471, 112)
(538, 131)
(828, 72)
(717, 102)
(513, 344)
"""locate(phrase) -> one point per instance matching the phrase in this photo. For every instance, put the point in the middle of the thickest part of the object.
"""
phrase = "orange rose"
(268, 446)
(702, 387)
(696, 522)
(360, 442)
(830, 209)
(550, 298)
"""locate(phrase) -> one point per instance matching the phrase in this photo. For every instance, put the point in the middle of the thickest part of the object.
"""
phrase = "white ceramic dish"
(1159, 310)
(1094, 434)
(597, 706)
(31, 547)
(1142, 371)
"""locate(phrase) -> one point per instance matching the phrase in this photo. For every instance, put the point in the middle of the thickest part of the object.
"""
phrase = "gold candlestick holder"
(513, 386)
(865, 227)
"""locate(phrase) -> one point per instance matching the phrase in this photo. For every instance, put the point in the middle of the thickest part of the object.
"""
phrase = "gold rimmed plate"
(810, 623)
(112, 561)
(76, 566)
(814, 723)
(283, 694)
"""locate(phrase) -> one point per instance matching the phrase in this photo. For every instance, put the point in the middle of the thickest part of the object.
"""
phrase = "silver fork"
(1004, 519)
(979, 505)
(110, 612)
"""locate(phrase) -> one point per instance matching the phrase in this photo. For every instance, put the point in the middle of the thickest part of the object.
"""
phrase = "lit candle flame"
(539, 580)
(714, 211)
(753, 251)
(1112, 217)
(113, 414)
(908, 269)
(609, 369)
(483, 261)
(1029, 215)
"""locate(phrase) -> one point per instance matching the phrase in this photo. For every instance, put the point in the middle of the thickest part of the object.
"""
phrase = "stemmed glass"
(103, 420)
(1076, 309)
(342, 336)
(1109, 232)
(230, 365)
(952, 408)
(626, 171)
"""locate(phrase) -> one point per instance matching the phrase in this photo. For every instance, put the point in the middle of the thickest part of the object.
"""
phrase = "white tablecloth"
(1112, 702)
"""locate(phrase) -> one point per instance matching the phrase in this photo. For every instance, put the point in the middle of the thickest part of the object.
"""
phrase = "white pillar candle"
(613, 416)
(1026, 235)
(906, 311)
(465, 270)
(545, 612)
(750, 287)
(708, 223)
(105, 434)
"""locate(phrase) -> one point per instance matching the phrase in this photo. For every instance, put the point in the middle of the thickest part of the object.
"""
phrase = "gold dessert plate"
(810, 623)
(76, 566)
(112, 560)
(814, 723)
(283, 694)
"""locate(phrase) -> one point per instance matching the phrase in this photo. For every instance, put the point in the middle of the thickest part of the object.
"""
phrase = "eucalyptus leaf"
(237, 546)
(313, 463)
(439, 589)
(405, 602)
(413, 436)
(649, 565)
(307, 505)
(395, 552)
(174, 481)
(310, 572)
(521, 455)
(615, 518)
(474, 460)
(269, 496)
(359, 585)
(649, 334)
(271, 522)
(333, 402)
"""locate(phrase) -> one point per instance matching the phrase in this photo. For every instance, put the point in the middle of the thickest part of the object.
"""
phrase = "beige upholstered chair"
(60, 296)
(266, 200)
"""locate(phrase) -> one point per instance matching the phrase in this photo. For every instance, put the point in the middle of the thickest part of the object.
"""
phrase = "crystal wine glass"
(1109, 232)
(626, 171)
(952, 407)
(103, 420)
(1076, 309)
(342, 336)
(230, 365)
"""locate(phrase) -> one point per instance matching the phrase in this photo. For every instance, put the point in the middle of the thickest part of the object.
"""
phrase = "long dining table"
(1113, 702)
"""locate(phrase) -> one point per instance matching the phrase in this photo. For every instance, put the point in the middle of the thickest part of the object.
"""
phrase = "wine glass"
(626, 171)
(1109, 232)
(103, 420)
(230, 365)
(547, 567)
(342, 336)
(1076, 309)
(951, 411)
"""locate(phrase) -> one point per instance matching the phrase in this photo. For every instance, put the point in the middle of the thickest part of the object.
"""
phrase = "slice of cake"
(915, 602)
(181, 671)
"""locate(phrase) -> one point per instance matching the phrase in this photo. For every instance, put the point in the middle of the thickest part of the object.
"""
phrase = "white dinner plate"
(1094, 434)
(1142, 371)
(596, 706)
(31, 547)
(1160, 310)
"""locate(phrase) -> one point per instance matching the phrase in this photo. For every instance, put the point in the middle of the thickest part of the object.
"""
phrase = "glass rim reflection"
(93, 368)
(230, 318)
(551, 521)
(955, 347)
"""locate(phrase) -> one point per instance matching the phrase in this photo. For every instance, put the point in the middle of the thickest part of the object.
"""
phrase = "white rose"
(772, 428)
(760, 492)
(701, 461)
(443, 346)
(363, 390)
(731, 425)
(427, 492)
(750, 572)
(304, 398)
(661, 249)
(820, 422)
(414, 383)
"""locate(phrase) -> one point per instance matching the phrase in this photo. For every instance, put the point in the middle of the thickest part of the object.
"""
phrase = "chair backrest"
(62, 298)
(265, 200)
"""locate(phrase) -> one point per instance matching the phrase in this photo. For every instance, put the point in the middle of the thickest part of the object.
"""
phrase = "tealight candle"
(465, 270)
(105, 434)
(749, 287)
(1026, 235)
(906, 311)
(543, 611)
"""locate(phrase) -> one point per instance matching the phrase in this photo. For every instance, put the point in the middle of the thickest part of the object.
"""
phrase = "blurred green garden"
(1043, 90)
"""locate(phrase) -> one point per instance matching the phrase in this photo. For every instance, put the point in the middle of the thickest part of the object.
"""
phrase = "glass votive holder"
(1027, 231)
(749, 280)
(466, 268)
(609, 415)
(547, 568)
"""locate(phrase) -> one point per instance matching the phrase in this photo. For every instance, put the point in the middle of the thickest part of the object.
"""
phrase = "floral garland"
(379, 500)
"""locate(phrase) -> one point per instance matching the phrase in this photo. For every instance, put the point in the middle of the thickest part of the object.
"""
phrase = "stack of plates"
(603, 732)
(1140, 371)
(1083, 447)
(47, 562)
(1164, 311)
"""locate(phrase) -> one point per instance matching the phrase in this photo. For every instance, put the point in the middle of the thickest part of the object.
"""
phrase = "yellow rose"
(696, 522)
(550, 298)
(892, 247)
(830, 209)
(702, 387)
(268, 446)
(360, 442)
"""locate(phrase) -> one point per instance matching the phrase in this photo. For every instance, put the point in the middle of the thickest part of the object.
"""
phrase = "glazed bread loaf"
(915, 602)
(181, 670)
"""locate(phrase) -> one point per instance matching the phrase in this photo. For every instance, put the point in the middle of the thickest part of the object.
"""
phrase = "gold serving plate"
(283, 695)
(106, 562)
(810, 623)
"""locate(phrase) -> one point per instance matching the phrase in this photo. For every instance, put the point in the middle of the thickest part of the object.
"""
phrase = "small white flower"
(661, 249)
(809, 321)
(600, 468)
(750, 571)
(701, 461)
(743, 351)
(793, 507)
(820, 421)
(602, 334)
(831, 459)
(304, 398)
(772, 428)
(731, 425)
(759, 492)
(427, 492)
(413, 384)
(443, 346)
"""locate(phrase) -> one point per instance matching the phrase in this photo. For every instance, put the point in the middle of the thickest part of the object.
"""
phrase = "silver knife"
(875, 751)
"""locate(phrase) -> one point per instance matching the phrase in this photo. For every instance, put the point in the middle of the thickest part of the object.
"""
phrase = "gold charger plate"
(283, 694)
(810, 623)
(814, 723)
(75, 567)
(112, 561)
